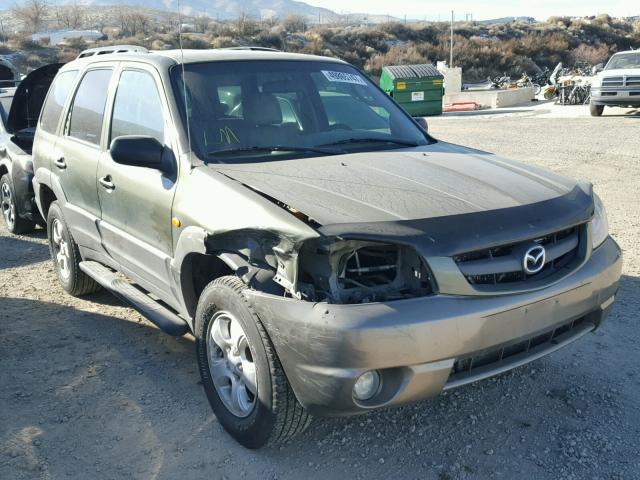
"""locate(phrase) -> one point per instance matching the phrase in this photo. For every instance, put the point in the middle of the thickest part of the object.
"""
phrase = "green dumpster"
(417, 88)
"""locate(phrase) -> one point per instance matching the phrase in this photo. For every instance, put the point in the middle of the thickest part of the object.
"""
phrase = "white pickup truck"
(618, 85)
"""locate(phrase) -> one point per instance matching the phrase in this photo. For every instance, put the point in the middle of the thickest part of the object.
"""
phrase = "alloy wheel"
(8, 206)
(231, 364)
(61, 249)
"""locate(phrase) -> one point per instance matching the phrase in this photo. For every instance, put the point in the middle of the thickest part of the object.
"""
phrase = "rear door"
(46, 138)
(78, 152)
(136, 201)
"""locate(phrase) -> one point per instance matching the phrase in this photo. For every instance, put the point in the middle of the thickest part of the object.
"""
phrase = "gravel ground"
(88, 389)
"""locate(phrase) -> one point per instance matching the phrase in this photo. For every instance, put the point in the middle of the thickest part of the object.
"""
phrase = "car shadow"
(127, 399)
(19, 251)
(488, 112)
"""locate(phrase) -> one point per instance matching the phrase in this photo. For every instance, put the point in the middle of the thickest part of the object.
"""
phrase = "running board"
(162, 317)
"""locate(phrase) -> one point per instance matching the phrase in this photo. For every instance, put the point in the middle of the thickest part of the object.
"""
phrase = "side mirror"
(422, 123)
(137, 151)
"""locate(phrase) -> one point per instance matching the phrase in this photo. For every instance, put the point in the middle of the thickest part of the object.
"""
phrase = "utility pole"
(451, 43)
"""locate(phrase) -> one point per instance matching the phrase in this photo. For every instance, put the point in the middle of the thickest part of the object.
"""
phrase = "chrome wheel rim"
(8, 207)
(231, 364)
(60, 248)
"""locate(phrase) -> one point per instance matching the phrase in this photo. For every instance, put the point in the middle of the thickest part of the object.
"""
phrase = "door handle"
(60, 163)
(107, 183)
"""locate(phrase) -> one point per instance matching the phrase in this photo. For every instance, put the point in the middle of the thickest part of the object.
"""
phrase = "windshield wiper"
(404, 143)
(273, 148)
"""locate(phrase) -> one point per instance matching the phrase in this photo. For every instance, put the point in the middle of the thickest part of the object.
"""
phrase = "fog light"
(367, 385)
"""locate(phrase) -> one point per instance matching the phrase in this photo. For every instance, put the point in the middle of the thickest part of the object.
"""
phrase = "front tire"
(66, 255)
(241, 374)
(596, 110)
(15, 223)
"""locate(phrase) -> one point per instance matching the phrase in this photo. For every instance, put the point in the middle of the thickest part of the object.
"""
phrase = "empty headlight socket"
(361, 271)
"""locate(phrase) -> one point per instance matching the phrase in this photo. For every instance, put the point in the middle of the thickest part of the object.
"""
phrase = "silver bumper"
(616, 96)
(415, 343)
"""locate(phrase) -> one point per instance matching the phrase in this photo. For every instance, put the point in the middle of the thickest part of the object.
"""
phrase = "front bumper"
(414, 343)
(621, 96)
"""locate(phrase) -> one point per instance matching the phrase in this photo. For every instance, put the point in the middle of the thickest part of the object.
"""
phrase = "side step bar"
(162, 317)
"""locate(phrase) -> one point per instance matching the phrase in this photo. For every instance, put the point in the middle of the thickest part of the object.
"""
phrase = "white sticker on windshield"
(343, 77)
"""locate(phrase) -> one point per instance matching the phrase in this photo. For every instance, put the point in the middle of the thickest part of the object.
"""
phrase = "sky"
(483, 10)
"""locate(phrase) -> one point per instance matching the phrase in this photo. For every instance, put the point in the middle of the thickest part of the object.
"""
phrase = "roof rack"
(112, 49)
(255, 49)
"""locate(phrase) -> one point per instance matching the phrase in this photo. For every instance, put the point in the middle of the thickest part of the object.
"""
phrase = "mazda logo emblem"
(534, 259)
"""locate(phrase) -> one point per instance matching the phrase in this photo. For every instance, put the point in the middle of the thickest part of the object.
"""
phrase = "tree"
(246, 25)
(32, 14)
(70, 16)
(201, 23)
(133, 21)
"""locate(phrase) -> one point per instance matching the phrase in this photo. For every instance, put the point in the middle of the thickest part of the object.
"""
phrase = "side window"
(58, 94)
(87, 111)
(137, 109)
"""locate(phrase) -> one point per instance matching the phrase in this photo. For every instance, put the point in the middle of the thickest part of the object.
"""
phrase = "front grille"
(612, 82)
(492, 357)
(633, 81)
(503, 265)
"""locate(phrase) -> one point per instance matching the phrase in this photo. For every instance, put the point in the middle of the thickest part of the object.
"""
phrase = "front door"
(136, 201)
(77, 154)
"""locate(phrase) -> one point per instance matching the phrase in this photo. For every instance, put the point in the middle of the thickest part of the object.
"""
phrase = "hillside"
(480, 48)
(230, 9)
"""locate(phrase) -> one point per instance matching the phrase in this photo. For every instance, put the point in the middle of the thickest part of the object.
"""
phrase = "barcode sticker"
(343, 77)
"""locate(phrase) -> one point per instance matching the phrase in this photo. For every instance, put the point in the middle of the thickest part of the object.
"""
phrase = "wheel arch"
(201, 257)
(46, 197)
(4, 167)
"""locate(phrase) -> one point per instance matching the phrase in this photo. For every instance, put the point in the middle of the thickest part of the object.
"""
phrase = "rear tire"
(596, 110)
(15, 223)
(66, 256)
(271, 415)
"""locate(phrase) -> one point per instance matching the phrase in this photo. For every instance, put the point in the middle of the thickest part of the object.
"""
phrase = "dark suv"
(19, 111)
(329, 256)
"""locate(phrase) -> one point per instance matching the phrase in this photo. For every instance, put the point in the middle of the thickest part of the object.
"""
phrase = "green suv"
(329, 256)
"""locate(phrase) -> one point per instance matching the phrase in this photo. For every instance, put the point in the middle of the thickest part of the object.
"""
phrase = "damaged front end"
(331, 269)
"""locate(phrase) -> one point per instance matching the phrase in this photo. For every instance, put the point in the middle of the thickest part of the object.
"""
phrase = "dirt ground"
(90, 390)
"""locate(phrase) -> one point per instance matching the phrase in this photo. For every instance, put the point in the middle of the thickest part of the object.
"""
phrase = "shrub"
(28, 44)
(293, 23)
(592, 54)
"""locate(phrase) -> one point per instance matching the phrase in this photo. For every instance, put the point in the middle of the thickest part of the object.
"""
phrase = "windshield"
(624, 60)
(248, 109)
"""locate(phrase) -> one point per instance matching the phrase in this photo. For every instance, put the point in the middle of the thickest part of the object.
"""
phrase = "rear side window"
(87, 111)
(58, 94)
(137, 109)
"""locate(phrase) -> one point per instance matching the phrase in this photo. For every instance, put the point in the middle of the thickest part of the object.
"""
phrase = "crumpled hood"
(426, 182)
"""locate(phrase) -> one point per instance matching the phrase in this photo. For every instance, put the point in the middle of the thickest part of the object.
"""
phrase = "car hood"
(618, 72)
(433, 181)
(29, 98)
